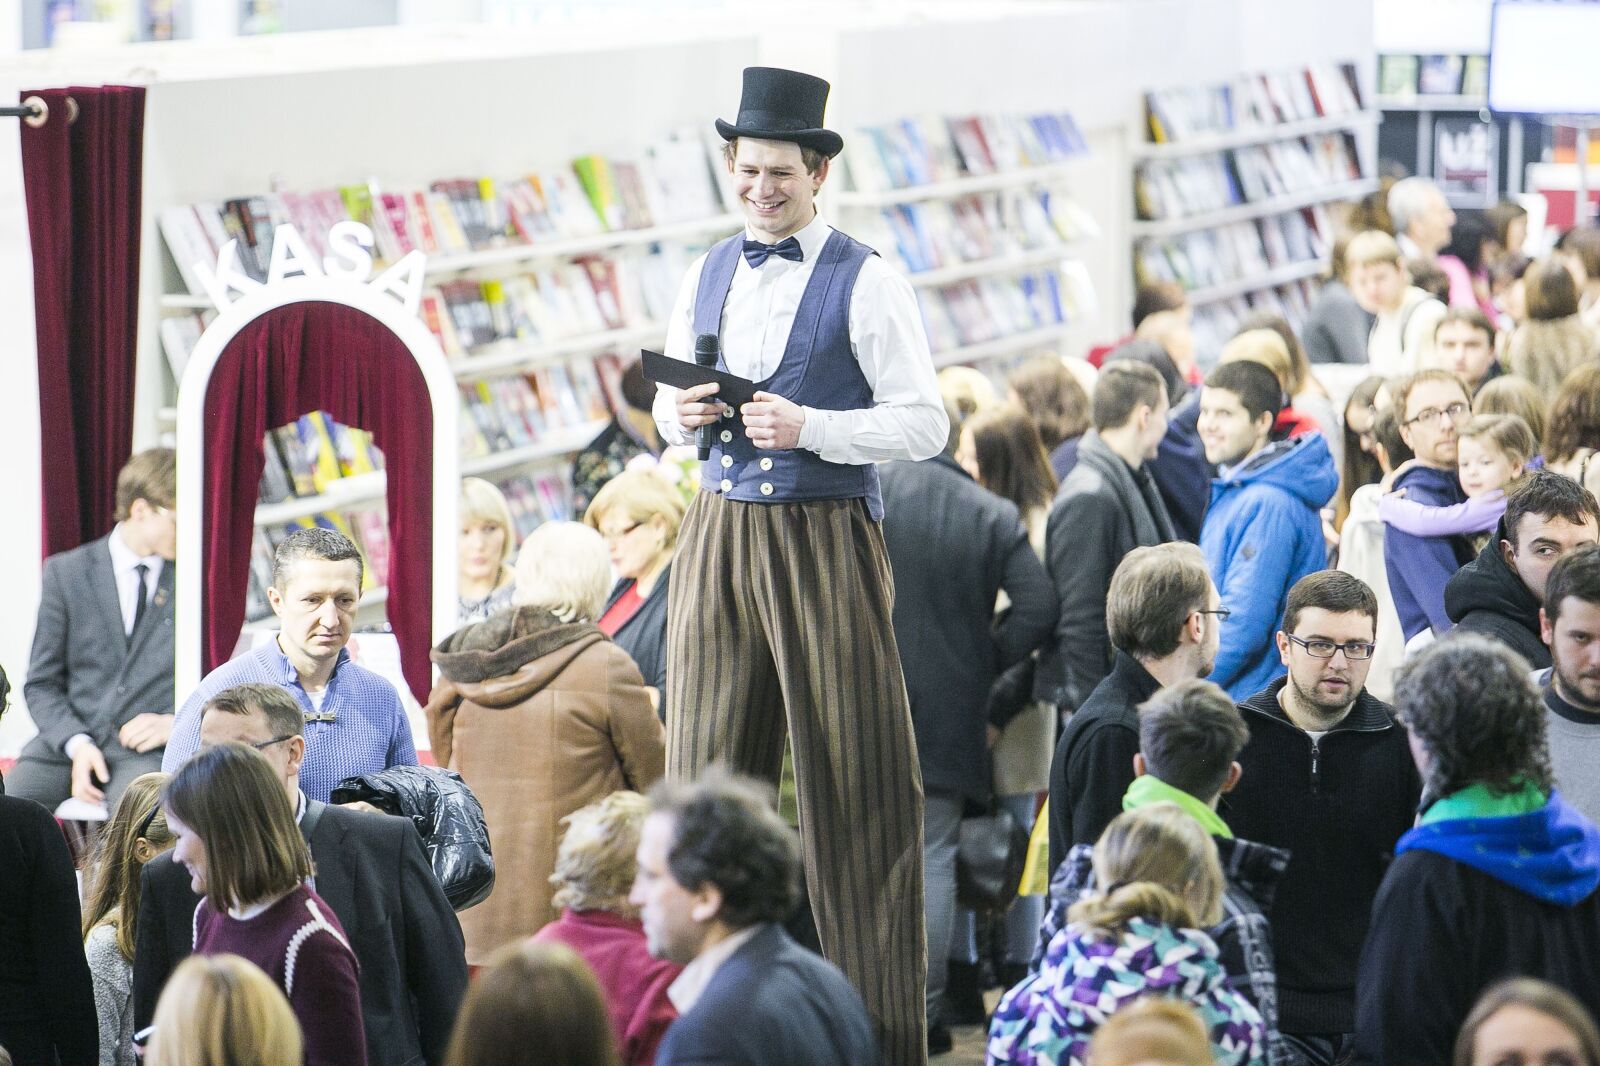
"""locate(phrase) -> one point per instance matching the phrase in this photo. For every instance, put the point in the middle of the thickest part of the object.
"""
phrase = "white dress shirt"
(123, 562)
(907, 419)
(687, 988)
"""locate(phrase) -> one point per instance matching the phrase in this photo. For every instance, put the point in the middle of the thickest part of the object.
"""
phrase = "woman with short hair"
(1141, 936)
(639, 514)
(488, 538)
(535, 1005)
(222, 1010)
(595, 869)
(238, 836)
(542, 714)
(1554, 341)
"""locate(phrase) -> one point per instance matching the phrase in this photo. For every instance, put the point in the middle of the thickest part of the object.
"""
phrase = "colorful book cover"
(594, 173)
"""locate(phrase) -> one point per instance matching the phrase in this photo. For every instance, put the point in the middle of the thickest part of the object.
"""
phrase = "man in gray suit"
(100, 682)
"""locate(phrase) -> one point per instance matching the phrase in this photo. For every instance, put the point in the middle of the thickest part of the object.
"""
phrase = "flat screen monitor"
(1543, 57)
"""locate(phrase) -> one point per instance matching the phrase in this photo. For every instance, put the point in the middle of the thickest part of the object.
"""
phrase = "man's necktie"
(139, 604)
(755, 253)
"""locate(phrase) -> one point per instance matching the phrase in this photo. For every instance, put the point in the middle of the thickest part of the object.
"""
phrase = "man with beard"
(1328, 775)
(1570, 620)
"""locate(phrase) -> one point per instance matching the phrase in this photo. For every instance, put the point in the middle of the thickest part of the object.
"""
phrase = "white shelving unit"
(1009, 345)
(1283, 275)
(955, 188)
(1246, 212)
(1253, 135)
(1433, 103)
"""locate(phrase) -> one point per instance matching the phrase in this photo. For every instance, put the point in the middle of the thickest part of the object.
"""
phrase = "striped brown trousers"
(779, 615)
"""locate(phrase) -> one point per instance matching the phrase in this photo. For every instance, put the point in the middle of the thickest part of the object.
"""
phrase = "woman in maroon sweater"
(240, 841)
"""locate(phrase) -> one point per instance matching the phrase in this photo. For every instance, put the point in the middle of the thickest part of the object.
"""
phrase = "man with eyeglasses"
(371, 870)
(1328, 775)
(99, 685)
(1431, 405)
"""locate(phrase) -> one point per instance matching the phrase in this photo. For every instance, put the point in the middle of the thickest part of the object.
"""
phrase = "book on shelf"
(1475, 77)
(928, 235)
(1215, 324)
(1233, 253)
(670, 181)
(305, 457)
(991, 308)
(923, 151)
(1440, 75)
(1397, 76)
(1192, 185)
(1257, 101)
(517, 411)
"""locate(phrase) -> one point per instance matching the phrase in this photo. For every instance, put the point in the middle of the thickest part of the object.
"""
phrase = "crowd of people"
(1294, 679)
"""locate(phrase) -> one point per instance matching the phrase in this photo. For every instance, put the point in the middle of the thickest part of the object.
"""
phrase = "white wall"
(229, 118)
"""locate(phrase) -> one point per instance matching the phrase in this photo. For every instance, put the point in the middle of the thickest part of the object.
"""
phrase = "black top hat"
(783, 105)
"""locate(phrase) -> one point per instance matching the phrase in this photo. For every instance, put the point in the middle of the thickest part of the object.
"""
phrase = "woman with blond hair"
(136, 834)
(1141, 937)
(222, 1010)
(238, 836)
(1524, 1020)
(542, 715)
(535, 1005)
(639, 514)
(595, 869)
(488, 538)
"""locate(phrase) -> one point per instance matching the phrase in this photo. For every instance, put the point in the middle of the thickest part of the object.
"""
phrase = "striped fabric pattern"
(779, 619)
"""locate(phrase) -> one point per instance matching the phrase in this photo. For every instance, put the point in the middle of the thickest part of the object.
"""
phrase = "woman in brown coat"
(542, 715)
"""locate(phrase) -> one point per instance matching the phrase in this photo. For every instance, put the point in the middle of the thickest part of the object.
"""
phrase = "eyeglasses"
(617, 534)
(263, 745)
(1222, 613)
(1456, 411)
(1324, 649)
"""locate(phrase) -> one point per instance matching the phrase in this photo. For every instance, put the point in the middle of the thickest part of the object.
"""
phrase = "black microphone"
(706, 351)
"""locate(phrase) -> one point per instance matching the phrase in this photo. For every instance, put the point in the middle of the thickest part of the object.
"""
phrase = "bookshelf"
(1283, 275)
(1256, 135)
(1452, 102)
(1246, 212)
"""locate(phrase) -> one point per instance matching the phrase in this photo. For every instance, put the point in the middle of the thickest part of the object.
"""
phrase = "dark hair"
(1472, 317)
(726, 832)
(1469, 701)
(1121, 389)
(637, 391)
(1401, 389)
(1330, 590)
(1576, 573)
(1574, 420)
(1552, 293)
(314, 543)
(1156, 358)
(1258, 388)
(1510, 268)
(1156, 297)
(534, 1003)
(1549, 495)
(1555, 1003)
(1430, 277)
(1499, 219)
(1189, 735)
(1011, 460)
(151, 476)
(811, 158)
(1153, 592)
(1300, 373)
(1466, 241)
(1386, 431)
(1053, 398)
(229, 795)
(285, 717)
(1360, 468)
(1511, 394)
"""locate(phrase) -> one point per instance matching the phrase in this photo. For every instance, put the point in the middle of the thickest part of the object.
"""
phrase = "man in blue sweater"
(1431, 406)
(1263, 531)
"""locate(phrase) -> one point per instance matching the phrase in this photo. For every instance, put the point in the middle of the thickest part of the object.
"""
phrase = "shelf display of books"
(1428, 81)
(1212, 264)
(1256, 103)
(1216, 322)
(920, 152)
(1191, 186)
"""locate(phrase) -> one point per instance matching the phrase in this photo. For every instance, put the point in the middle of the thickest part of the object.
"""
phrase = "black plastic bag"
(446, 814)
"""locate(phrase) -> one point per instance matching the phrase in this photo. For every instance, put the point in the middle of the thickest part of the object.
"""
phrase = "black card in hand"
(682, 374)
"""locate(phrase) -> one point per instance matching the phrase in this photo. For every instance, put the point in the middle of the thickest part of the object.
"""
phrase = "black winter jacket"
(1486, 596)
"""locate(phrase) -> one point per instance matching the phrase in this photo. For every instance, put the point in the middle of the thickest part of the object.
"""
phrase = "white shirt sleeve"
(680, 345)
(907, 419)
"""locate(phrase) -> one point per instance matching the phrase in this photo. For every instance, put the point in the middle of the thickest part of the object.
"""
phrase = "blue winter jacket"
(1263, 532)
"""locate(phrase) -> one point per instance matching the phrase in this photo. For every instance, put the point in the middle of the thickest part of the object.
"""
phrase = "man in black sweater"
(1500, 878)
(1327, 775)
(1164, 618)
(1499, 593)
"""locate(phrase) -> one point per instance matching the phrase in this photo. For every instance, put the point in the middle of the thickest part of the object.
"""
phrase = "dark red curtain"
(289, 362)
(82, 181)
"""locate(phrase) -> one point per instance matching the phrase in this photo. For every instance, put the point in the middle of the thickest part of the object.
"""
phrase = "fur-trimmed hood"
(505, 659)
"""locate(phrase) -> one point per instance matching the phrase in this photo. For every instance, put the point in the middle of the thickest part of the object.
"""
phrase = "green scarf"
(1476, 801)
(1147, 789)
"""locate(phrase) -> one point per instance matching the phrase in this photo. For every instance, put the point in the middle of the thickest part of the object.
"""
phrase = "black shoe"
(939, 1040)
(963, 995)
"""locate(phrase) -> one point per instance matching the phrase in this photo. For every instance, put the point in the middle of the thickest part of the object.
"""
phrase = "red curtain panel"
(82, 182)
(289, 362)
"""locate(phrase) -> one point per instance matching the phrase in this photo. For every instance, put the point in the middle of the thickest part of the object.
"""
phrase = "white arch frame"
(442, 393)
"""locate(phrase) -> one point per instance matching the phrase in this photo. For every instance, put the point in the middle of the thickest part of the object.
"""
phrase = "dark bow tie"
(755, 253)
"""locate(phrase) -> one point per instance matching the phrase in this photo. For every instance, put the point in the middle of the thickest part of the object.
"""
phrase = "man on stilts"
(779, 613)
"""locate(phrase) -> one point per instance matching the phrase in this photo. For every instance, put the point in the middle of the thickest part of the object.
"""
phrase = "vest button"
(726, 436)
(727, 486)
(728, 413)
(727, 461)
(766, 464)
(766, 488)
